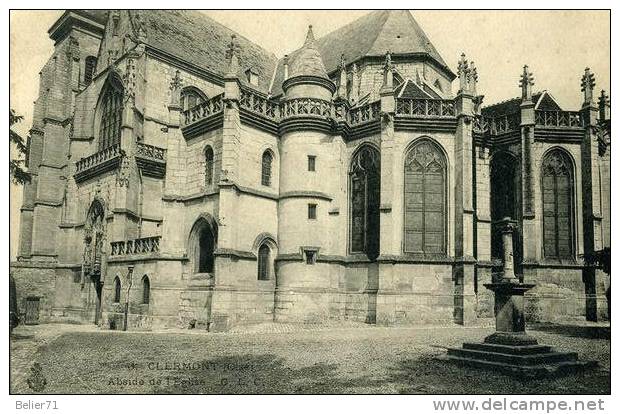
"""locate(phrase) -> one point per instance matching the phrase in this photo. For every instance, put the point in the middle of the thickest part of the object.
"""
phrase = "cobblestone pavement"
(286, 358)
(26, 344)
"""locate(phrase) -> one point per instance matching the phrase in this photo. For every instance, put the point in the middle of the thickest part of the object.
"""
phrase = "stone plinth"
(510, 350)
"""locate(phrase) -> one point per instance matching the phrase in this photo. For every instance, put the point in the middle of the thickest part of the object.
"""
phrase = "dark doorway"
(205, 253)
(31, 314)
(365, 190)
(506, 202)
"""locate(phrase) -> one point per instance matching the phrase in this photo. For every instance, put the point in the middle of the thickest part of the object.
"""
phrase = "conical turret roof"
(308, 61)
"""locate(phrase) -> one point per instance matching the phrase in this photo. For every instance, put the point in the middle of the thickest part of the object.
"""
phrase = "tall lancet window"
(208, 166)
(365, 180)
(111, 115)
(266, 168)
(425, 199)
(557, 190)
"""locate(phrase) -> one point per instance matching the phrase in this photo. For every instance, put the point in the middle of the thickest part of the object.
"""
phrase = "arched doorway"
(203, 240)
(506, 202)
(364, 198)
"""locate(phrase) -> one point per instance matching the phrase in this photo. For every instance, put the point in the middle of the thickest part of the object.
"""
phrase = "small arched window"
(190, 97)
(264, 262)
(425, 199)
(146, 290)
(266, 168)
(111, 115)
(557, 189)
(117, 289)
(208, 166)
(90, 65)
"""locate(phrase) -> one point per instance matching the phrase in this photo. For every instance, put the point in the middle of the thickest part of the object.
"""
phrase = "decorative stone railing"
(204, 109)
(306, 106)
(365, 113)
(413, 107)
(150, 151)
(258, 104)
(505, 123)
(98, 158)
(144, 245)
(567, 119)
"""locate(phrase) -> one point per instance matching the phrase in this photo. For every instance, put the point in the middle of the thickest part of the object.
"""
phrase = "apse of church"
(209, 183)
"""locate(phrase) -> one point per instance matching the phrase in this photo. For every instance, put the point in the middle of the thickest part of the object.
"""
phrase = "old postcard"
(310, 202)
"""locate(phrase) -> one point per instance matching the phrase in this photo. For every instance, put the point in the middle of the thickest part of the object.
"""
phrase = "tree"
(18, 174)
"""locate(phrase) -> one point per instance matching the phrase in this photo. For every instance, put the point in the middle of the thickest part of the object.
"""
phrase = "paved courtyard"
(284, 359)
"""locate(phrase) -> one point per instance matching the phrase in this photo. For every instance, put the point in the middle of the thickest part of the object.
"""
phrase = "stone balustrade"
(562, 119)
(143, 245)
(504, 123)
(151, 151)
(304, 107)
(415, 107)
(98, 158)
(204, 109)
(259, 104)
(365, 113)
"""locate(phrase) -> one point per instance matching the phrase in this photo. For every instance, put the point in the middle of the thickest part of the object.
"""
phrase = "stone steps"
(524, 371)
(508, 349)
(514, 359)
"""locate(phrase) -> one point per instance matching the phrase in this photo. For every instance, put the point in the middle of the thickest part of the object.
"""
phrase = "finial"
(285, 67)
(233, 64)
(309, 36)
(587, 86)
(526, 82)
(388, 75)
(604, 104)
(343, 64)
(463, 74)
(474, 77)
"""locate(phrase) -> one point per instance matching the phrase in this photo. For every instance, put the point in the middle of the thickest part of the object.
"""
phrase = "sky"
(557, 46)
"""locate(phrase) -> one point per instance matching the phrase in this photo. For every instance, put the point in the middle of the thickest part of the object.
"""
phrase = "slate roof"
(514, 105)
(195, 37)
(308, 61)
(370, 35)
(410, 89)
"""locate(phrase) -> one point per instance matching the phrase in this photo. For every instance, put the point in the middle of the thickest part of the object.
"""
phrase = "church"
(183, 176)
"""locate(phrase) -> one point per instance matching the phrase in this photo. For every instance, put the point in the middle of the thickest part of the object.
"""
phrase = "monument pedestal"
(510, 349)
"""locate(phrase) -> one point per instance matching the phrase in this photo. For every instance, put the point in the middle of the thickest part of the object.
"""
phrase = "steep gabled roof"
(542, 100)
(198, 39)
(371, 35)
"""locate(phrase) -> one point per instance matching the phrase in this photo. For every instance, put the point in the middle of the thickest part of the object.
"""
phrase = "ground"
(285, 359)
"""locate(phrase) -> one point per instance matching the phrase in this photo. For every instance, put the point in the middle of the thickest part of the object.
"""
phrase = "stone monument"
(510, 349)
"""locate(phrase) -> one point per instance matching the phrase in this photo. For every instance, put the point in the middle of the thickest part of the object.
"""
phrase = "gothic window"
(208, 166)
(264, 259)
(90, 64)
(557, 190)
(425, 199)
(266, 168)
(365, 179)
(117, 289)
(190, 97)
(146, 290)
(111, 116)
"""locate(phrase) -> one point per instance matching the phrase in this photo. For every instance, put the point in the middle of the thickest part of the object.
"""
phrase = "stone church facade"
(182, 170)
